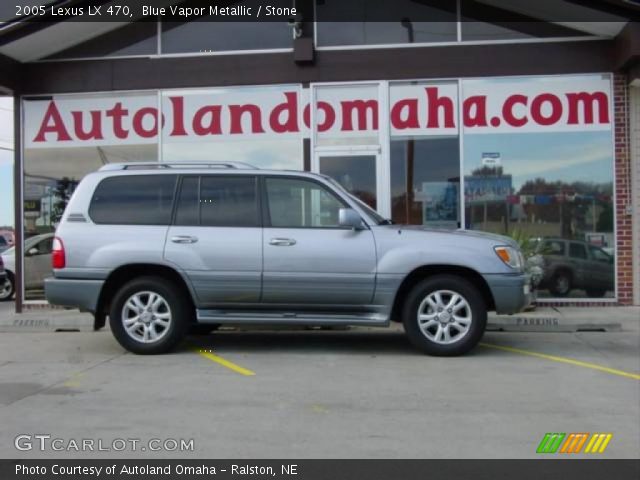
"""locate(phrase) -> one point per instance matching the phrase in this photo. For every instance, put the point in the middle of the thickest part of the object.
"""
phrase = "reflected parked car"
(4, 245)
(572, 264)
(37, 265)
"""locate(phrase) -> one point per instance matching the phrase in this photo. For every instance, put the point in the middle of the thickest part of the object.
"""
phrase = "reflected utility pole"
(406, 23)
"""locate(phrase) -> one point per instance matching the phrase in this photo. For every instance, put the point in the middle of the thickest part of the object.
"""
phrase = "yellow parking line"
(570, 361)
(224, 362)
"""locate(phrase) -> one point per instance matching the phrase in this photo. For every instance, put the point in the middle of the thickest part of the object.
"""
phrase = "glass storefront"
(530, 157)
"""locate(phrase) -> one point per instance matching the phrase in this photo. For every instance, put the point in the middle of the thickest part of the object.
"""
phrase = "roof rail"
(161, 165)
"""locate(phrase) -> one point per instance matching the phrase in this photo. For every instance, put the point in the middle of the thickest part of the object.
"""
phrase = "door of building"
(349, 139)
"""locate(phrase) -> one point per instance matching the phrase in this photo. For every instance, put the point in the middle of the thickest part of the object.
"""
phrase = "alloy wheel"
(146, 317)
(444, 317)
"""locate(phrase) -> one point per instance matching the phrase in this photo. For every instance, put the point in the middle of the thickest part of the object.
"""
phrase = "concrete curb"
(567, 319)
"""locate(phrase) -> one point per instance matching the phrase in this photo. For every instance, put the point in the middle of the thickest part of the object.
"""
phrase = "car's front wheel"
(149, 315)
(445, 315)
(7, 289)
(560, 284)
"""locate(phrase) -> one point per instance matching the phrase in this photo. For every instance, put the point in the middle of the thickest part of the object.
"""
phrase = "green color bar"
(550, 442)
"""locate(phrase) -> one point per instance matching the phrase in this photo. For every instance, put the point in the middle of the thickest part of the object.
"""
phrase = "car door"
(308, 258)
(601, 267)
(216, 238)
(37, 263)
(579, 260)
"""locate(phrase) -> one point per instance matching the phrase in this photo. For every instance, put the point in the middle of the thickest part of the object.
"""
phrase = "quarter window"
(301, 204)
(133, 200)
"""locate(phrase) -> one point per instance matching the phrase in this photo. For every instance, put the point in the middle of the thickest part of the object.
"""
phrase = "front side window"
(133, 200)
(298, 203)
(599, 255)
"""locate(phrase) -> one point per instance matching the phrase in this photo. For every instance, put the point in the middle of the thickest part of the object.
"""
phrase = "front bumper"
(79, 293)
(512, 293)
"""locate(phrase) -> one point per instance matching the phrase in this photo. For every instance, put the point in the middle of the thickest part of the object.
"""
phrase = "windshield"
(379, 219)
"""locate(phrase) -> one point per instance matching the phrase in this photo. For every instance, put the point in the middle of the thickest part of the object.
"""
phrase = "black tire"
(596, 292)
(203, 328)
(560, 284)
(475, 308)
(177, 305)
(9, 285)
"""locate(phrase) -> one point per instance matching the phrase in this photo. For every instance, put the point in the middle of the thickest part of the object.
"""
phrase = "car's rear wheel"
(445, 315)
(7, 289)
(149, 315)
(560, 284)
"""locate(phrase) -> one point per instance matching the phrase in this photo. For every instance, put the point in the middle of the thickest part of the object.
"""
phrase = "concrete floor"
(361, 393)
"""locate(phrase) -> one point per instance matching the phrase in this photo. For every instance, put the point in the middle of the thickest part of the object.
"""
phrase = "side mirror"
(348, 217)
(32, 251)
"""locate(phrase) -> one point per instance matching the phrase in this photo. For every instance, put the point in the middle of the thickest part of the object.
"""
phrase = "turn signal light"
(58, 259)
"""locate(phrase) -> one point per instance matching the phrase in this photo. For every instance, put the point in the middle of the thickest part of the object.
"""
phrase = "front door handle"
(282, 242)
(184, 239)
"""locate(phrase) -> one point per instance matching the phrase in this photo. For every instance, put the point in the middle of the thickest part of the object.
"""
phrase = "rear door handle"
(184, 239)
(282, 242)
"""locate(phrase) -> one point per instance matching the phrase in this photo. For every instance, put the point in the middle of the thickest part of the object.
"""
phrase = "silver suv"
(161, 248)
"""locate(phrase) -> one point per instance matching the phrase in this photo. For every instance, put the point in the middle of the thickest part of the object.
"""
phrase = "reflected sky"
(275, 154)
(570, 157)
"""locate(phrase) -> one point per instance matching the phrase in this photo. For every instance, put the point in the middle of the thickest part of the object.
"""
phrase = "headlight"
(510, 256)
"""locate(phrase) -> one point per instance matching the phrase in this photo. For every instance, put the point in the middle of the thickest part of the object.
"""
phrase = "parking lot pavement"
(359, 393)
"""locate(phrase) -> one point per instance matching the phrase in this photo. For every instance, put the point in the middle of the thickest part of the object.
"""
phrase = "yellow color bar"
(605, 443)
(598, 443)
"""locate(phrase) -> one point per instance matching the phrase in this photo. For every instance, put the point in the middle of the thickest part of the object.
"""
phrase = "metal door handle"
(184, 239)
(282, 242)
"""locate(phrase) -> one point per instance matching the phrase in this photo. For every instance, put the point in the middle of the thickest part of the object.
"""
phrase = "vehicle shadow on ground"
(315, 341)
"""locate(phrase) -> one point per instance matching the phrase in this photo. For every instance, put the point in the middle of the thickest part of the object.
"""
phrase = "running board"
(291, 318)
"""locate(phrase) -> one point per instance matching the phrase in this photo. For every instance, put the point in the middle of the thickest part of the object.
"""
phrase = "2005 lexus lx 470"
(162, 248)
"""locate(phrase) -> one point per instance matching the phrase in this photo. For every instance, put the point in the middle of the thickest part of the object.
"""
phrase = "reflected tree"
(61, 195)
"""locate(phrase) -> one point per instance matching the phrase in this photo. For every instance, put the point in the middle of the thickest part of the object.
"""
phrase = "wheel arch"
(426, 271)
(123, 274)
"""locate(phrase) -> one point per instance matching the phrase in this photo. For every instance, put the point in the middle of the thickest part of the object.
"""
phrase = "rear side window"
(554, 247)
(134, 200)
(218, 201)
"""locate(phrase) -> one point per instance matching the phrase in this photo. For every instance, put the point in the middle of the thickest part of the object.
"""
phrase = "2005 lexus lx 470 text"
(162, 248)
